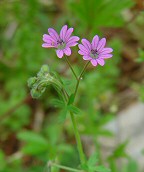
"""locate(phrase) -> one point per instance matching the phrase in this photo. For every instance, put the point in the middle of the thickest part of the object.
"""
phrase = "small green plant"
(94, 52)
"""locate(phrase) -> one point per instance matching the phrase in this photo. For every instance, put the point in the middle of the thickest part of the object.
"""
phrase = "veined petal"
(84, 49)
(67, 51)
(53, 34)
(71, 44)
(100, 61)
(48, 38)
(50, 41)
(86, 43)
(95, 42)
(46, 45)
(94, 62)
(63, 32)
(105, 56)
(87, 58)
(72, 41)
(68, 34)
(101, 44)
(106, 51)
(59, 53)
(82, 52)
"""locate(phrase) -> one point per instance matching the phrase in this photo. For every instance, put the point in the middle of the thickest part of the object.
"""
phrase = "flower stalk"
(71, 68)
(50, 164)
(78, 139)
(79, 78)
(77, 136)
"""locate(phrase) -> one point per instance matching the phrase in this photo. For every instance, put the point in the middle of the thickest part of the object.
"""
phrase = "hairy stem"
(63, 167)
(78, 140)
(77, 136)
(71, 68)
(79, 78)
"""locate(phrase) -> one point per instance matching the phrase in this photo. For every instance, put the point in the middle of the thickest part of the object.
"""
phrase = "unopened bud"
(31, 81)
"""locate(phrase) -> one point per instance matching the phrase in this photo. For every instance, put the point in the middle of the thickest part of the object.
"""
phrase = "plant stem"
(71, 68)
(77, 136)
(80, 76)
(63, 167)
(78, 140)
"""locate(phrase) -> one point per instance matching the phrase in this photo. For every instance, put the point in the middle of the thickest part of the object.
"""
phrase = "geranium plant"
(93, 52)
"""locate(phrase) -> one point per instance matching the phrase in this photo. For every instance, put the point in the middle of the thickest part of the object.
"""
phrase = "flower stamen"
(61, 44)
(94, 54)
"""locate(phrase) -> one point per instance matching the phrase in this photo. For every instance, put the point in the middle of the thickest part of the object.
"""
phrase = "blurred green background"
(32, 131)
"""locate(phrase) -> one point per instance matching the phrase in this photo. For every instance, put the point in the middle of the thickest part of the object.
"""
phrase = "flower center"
(61, 44)
(94, 54)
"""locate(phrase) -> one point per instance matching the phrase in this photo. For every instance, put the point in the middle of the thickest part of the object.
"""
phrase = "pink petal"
(106, 51)
(63, 32)
(72, 41)
(68, 34)
(105, 56)
(59, 53)
(46, 45)
(101, 61)
(53, 34)
(67, 51)
(82, 52)
(84, 49)
(48, 38)
(94, 62)
(49, 41)
(101, 44)
(95, 42)
(86, 43)
(87, 58)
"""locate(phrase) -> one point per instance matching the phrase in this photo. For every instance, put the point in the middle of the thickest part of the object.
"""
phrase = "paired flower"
(61, 42)
(95, 52)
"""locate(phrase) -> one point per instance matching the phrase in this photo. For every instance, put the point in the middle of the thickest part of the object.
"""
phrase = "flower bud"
(32, 81)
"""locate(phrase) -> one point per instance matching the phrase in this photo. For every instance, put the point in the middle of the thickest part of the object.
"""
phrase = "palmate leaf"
(120, 151)
(74, 109)
(101, 169)
(92, 164)
(71, 99)
(62, 115)
(97, 13)
(58, 103)
(34, 142)
(93, 160)
(34, 149)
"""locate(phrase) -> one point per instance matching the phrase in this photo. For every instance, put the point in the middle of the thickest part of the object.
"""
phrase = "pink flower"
(61, 42)
(95, 52)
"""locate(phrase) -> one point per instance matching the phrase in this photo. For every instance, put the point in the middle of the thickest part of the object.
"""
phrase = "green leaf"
(101, 169)
(34, 149)
(35, 143)
(58, 103)
(74, 109)
(93, 160)
(120, 151)
(106, 133)
(71, 99)
(32, 137)
(62, 115)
